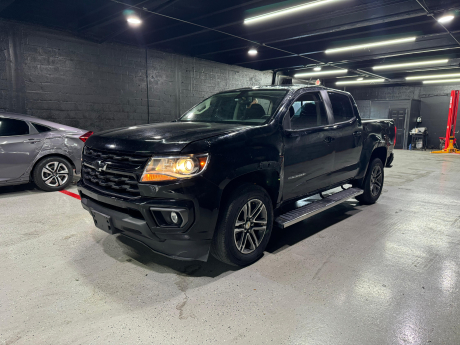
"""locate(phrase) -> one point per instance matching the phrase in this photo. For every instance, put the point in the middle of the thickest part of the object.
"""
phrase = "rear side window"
(41, 128)
(10, 127)
(341, 106)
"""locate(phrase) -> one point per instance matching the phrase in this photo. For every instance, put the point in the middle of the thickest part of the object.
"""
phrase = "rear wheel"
(244, 227)
(53, 174)
(372, 183)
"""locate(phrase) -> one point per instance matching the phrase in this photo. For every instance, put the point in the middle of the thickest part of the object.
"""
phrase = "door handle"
(357, 134)
(32, 141)
(329, 139)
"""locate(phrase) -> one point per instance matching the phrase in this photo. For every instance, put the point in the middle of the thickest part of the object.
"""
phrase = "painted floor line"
(73, 195)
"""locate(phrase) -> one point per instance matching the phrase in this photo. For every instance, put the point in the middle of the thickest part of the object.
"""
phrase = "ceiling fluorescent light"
(288, 10)
(315, 74)
(441, 81)
(445, 19)
(364, 81)
(433, 76)
(252, 51)
(430, 62)
(370, 45)
(134, 21)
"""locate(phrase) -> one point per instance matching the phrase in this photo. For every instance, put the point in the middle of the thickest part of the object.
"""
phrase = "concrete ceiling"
(214, 30)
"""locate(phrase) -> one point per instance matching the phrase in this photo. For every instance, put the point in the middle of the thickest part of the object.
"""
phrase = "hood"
(158, 138)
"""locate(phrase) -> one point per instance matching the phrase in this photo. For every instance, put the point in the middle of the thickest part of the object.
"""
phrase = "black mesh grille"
(111, 182)
(119, 173)
(122, 161)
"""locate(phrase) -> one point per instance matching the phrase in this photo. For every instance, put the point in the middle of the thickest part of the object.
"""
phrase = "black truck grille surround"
(119, 172)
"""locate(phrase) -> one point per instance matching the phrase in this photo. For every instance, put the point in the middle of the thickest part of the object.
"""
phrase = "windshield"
(249, 107)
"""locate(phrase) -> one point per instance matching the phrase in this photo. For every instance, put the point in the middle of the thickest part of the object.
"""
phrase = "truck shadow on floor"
(141, 255)
(142, 278)
(284, 238)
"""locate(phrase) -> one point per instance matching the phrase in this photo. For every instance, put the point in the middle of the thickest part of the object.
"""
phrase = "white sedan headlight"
(173, 168)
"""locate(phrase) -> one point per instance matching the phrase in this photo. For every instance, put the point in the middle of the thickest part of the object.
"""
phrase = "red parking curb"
(73, 195)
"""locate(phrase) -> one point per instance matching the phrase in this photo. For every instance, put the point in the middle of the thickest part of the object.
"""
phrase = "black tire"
(51, 180)
(372, 183)
(227, 245)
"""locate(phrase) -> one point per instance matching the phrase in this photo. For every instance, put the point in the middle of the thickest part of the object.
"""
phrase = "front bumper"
(135, 217)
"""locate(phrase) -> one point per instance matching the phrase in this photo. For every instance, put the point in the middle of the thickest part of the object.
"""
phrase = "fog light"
(170, 217)
(174, 217)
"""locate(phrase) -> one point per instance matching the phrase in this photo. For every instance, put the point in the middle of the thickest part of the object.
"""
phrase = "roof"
(30, 118)
(293, 87)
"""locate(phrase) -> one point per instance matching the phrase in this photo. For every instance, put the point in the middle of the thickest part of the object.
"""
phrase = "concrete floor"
(382, 274)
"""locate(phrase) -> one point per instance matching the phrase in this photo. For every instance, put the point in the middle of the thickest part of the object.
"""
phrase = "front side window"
(341, 106)
(10, 127)
(249, 107)
(308, 111)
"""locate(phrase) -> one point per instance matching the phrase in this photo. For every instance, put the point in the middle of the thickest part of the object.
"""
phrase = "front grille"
(127, 162)
(110, 181)
(119, 175)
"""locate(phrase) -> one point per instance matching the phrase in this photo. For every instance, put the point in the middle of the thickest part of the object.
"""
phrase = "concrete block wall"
(62, 78)
(176, 82)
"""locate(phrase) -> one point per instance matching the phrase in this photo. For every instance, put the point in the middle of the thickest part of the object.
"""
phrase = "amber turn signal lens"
(202, 161)
(156, 177)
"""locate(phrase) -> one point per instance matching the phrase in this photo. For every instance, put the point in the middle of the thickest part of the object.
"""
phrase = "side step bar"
(304, 212)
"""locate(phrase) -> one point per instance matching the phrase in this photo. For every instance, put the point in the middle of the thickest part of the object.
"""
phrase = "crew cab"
(221, 176)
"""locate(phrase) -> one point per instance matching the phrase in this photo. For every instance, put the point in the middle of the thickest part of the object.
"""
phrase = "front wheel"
(373, 183)
(53, 174)
(244, 227)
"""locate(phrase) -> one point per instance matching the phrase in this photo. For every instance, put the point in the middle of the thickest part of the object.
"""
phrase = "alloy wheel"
(55, 174)
(376, 180)
(250, 226)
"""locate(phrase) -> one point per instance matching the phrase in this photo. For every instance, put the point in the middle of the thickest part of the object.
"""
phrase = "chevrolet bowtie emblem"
(99, 165)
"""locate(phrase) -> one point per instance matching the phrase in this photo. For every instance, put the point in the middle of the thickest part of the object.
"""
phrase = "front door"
(309, 146)
(399, 117)
(348, 133)
(18, 148)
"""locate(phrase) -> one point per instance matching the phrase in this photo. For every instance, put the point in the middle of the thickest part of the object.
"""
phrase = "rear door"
(348, 132)
(19, 145)
(309, 148)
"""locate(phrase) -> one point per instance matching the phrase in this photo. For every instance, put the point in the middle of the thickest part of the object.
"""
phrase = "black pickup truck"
(217, 179)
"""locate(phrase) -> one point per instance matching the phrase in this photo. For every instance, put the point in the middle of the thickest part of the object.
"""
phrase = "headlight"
(173, 168)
